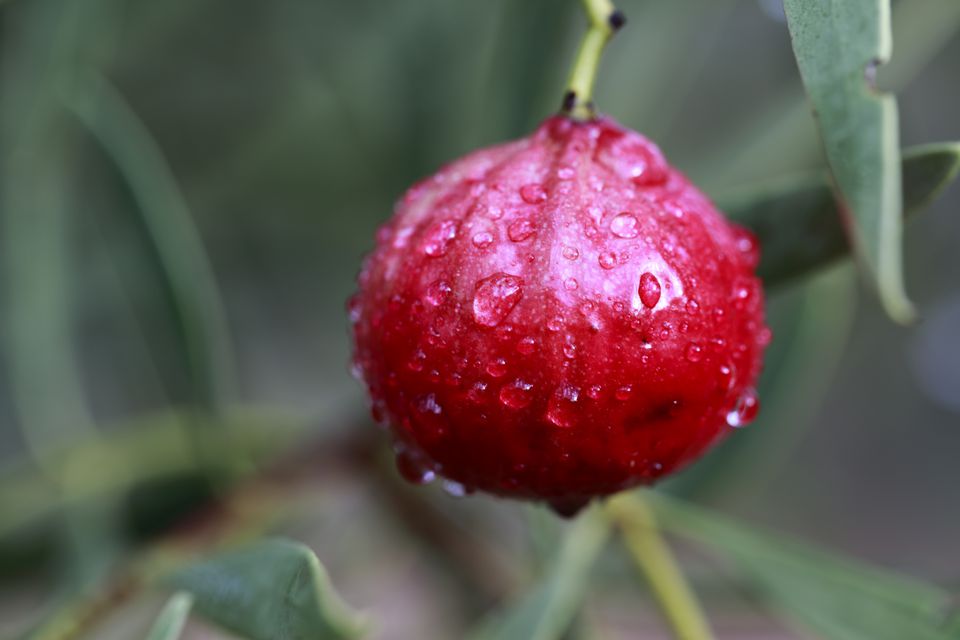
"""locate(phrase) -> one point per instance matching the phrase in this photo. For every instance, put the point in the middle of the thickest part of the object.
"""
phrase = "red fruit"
(558, 318)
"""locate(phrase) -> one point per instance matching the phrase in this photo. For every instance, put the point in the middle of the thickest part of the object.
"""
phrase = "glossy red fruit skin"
(558, 318)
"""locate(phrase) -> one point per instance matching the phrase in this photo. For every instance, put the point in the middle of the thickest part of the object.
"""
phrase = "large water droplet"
(437, 292)
(533, 193)
(562, 409)
(570, 253)
(520, 230)
(482, 239)
(570, 284)
(625, 225)
(743, 413)
(693, 352)
(623, 392)
(517, 394)
(649, 290)
(436, 241)
(495, 298)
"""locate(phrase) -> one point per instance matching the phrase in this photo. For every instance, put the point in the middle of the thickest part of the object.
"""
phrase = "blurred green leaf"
(797, 220)
(547, 611)
(273, 590)
(152, 449)
(838, 46)
(169, 624)
(165, 214)
(835, 596)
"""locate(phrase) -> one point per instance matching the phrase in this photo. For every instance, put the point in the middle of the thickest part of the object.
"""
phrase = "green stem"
(605, 20)
(655, 560)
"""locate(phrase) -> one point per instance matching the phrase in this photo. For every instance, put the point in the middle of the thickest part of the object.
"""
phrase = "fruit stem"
(605, 20)
(653, 558)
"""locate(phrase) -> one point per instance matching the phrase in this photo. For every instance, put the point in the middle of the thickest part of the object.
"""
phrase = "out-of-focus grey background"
(187, 188)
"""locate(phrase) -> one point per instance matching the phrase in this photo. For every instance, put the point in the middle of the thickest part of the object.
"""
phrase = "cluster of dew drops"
(496, 295)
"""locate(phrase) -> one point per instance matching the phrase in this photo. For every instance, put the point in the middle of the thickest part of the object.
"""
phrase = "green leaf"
(169, 624)
(838, 45)
(272, 590)
(797, 220)
(164, 212)
(834, 596)
(547, 612)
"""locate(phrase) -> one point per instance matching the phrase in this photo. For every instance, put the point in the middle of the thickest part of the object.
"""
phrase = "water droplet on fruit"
(428, 404)
(533, 193)
(516, 395)
(625, 225)
(570, 284)
(413, 469)
(623, 392)
(416, 362)
(607, 260)
(555, 323)
(436, 241)
(494, 212)
(495, 298)
(562, 409)
(497, 368)
(727, 376)
(570, 253)
(482, 239)
(354, 309)
(455, 489)
(356, 370)
(526, 346)
(693, 352)
(437, 292)
(693, 307)
(649, 290)
(743, 413)
(594, 392)
(565, 173)
(520, 230)
(478, 393)
(764, 337)
(747, 245)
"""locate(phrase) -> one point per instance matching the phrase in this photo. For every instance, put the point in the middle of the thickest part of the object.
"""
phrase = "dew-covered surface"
(559, 317)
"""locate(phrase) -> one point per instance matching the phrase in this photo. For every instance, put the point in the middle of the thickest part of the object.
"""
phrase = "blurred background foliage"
(187, 188)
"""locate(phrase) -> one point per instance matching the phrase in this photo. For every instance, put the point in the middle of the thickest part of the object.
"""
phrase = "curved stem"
(655, 560)
(605, 20)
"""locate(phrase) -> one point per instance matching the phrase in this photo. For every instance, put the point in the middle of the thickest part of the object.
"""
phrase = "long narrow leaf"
(169, 624)
(546, 612)
(836, 597)
(797, 220)
(177, 241)
(838, 45)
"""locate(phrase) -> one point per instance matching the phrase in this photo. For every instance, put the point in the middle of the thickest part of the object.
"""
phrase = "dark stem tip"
(617, 19)
(569, 101)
